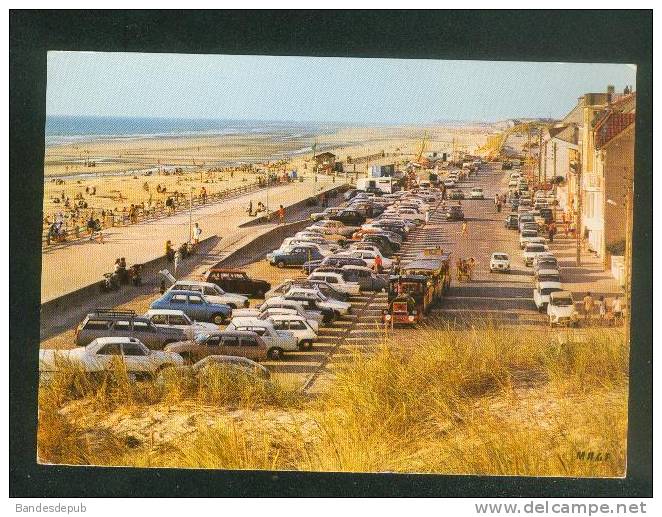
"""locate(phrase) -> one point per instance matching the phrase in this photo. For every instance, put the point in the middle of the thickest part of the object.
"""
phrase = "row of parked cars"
(530, 215)
(343, 252)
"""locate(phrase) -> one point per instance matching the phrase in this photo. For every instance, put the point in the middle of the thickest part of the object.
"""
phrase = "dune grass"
(480, 401)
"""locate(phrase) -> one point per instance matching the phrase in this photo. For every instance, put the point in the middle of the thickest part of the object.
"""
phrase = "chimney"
(610, 92)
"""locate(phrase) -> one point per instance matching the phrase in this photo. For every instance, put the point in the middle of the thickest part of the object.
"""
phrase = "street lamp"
(190, 215)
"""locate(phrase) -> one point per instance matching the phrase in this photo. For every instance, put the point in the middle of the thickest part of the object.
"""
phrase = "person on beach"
(203, 195)
(169, 251)
(602, 309)
(197, 231)
(250, 208)
(281, 215)
(465, 229)
(588, 306)
(178, 259)
(379, 265)
(617, 308)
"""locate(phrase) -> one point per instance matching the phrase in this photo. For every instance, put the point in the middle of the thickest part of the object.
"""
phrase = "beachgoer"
(281, 214)
(465, 229)
(178, 259)
(617, 308)
(602, 308)
(588, 306)
(197, 231)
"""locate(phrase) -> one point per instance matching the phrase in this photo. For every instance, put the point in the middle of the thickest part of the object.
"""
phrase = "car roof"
(500, 253)
(551, 283)
(193, 282)
(542, 272)
(248, 320)
(106, 340)
(286, 317)
(173, 312)
(224, 270)
(561, 294)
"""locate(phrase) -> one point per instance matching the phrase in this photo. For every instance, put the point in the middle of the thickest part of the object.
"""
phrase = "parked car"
(387, 246)
(326, 213)
(278, 341)
(531, 251)
(511, 222)
(500, 262)
(312, 295)
(350, 194)
(529, 236)
(476, 193)
(233, 363)
(296, 256)
(336, 280)
(225, 342)
(365, 277)
(547, 275)
(177, 319)
(349, 217)
(195, 305)
(102, 354)
(545, 261)
(212, 292)
(542, 292)
(278, 304)
(369, 257)
(454, 213)
(298, 326)
(449, 182)
(334, 226)
(456, 194)
(237, 281)
(561, 309)
(117, 323)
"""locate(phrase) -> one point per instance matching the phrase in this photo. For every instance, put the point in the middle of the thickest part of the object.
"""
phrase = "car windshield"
(548, 278)
(535, 248)
(500, 257)
(529, 233)
(562, 302)
(549, 290)
(201, 338)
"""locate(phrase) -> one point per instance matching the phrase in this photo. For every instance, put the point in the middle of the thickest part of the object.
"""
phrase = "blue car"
(296, 256)
(194, 305)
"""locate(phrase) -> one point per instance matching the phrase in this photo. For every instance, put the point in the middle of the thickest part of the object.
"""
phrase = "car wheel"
(280, 264)
(306, 345)
(275, 353)
(218, 319)
(259, 293)
(232, 306)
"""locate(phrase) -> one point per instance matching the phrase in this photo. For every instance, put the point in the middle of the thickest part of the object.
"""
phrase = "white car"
(212, 292)
(449, 182)
(178, 319)
(271, 312)
(278, 341)
(336, 281)
(561, 309)
(500, 262)
(103, 352)
(290, 242)
(547, 275)
(512, 184)
(531, 251)
(476, 193)
(320, 300)
(515, 175)
(278, 302)
(369, 257)
(530, 237)
(298, 326)
(542, 292)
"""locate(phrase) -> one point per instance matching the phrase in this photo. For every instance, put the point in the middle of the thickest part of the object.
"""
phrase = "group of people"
(465, 268)
(184, 250)
(608, 314)
(499, 201)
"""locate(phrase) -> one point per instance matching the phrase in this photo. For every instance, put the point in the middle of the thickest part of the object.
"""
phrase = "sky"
(356, 90)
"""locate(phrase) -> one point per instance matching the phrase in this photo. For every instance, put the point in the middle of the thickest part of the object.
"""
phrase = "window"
(249, 341)
(214, 291)
(194, 299)
(133, 349)
(178, 298)
(213, 277)
(178, 319)
(143, 326)
(160, 319)
(280, 325)
(110, 349)
(97, 325)
(214, 341)
(331, 280)
(122, 325)
(297, 325)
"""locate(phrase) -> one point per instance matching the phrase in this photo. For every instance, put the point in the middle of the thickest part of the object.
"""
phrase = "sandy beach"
(128, 170)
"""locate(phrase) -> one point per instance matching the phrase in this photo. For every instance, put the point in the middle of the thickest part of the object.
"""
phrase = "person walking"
(250, 208)
(465, 229)
(588, 306)
(378, 264)
(178, 259)
(281, 214)
(617, 308)
(602, 309)
(427, 216)
(197, 231)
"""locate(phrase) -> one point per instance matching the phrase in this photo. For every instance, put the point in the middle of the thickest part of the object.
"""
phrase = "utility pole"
(629, 219)
(578, 219)
(539, 154)
(190, 215)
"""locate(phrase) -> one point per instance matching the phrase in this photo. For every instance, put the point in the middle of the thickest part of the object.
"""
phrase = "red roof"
(611, 126)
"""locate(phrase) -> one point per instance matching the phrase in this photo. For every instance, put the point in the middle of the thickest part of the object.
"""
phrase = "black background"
(580, 36)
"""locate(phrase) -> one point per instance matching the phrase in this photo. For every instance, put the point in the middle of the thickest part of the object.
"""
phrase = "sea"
(73, 129)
